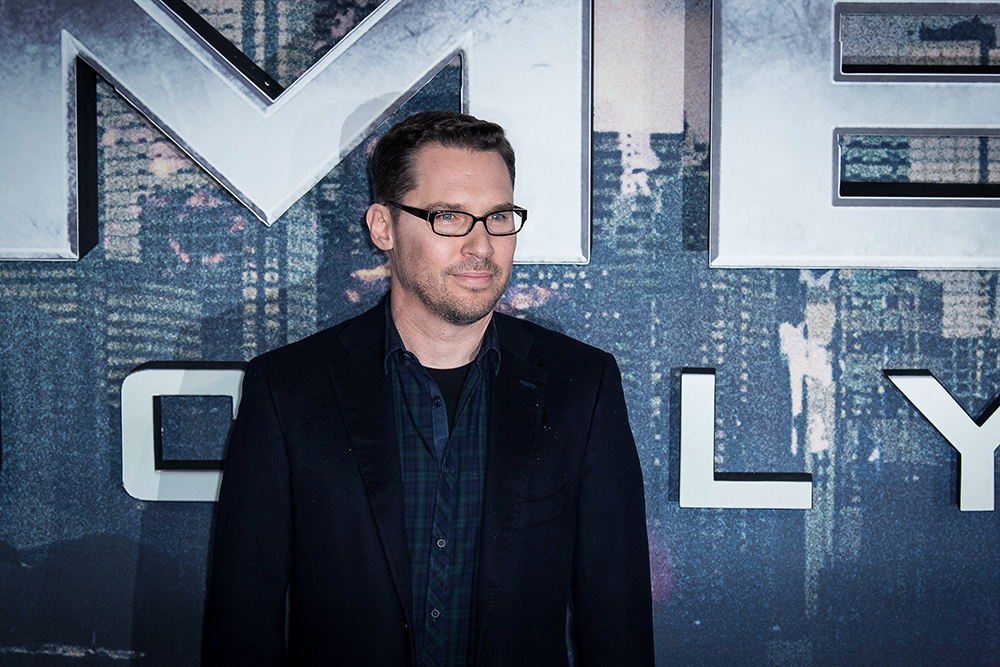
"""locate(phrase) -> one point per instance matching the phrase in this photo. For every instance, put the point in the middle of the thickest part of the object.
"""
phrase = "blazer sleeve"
(245, 618)
(612, 601)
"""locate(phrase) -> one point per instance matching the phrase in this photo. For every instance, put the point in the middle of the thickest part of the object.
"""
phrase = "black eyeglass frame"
(428, 216)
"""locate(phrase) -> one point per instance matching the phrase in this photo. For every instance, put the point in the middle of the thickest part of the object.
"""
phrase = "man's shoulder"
(546, 341)
(360, 331)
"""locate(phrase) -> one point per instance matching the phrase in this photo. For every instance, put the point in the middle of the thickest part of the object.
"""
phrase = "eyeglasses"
(459, 223)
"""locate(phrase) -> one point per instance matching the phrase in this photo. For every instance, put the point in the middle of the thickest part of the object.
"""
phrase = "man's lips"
(475, 277)
(476, 274)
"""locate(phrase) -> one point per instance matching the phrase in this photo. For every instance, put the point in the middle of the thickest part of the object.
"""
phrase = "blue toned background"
(884, 569)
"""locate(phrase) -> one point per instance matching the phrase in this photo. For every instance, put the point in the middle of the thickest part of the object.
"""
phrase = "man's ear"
(379, 220)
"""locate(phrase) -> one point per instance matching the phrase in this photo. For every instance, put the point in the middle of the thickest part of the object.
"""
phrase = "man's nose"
(478, 242)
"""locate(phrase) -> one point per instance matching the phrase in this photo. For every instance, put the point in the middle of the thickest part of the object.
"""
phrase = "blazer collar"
(364, 396)
(517, 414)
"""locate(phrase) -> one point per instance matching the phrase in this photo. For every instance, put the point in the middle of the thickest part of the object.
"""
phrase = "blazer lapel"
(516, 417)
(364, 394)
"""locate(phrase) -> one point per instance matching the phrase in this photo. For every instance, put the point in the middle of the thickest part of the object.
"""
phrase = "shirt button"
(435, 613)
(442, 542)
(436, 402)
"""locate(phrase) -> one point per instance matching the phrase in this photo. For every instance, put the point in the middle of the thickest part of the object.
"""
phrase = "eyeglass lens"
(457, 224)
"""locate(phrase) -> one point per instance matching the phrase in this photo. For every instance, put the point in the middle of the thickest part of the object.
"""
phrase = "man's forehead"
(436, 157)
(456, 178)
(436, 146)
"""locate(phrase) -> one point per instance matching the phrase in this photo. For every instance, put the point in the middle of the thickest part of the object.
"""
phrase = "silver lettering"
(975, 443)
(268, 154)
(700, 485)
(780, 100)
(140, 475)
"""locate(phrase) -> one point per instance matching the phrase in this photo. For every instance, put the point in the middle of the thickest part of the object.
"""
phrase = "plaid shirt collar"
(394, 344)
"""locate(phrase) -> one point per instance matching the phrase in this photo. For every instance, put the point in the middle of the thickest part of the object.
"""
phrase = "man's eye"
(444, 217)
(500, 216)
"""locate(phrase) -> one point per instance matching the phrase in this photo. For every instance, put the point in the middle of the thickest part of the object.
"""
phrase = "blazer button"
(404, 626)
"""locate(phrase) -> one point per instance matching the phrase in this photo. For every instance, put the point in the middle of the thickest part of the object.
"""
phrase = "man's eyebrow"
(450, 206)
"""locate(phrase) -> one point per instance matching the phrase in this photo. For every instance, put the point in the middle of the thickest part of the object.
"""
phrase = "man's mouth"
(475, 278)
(479, 273)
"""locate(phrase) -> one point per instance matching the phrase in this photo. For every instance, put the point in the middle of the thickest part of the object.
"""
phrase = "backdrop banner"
(131, 356)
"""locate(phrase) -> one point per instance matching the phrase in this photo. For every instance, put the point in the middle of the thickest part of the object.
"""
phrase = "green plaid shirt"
(443, 477)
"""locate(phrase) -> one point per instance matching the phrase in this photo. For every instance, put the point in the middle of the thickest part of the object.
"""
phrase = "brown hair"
(391, 164)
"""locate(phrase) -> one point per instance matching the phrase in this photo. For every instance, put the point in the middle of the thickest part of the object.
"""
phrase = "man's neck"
(436, 343)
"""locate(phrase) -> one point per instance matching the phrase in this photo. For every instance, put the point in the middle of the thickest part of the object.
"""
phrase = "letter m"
(526, 64)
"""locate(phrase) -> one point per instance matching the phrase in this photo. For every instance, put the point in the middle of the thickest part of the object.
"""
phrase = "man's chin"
(464, 314)
(464, 318)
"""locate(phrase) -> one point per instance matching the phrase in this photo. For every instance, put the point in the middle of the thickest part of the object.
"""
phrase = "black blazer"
(310, 515)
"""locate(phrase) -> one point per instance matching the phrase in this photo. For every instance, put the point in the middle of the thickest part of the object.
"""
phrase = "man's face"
(455, 279)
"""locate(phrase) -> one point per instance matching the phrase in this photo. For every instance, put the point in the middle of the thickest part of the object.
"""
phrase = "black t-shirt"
(450, 381)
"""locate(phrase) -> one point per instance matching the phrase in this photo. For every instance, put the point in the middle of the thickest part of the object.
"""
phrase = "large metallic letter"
(781, 98)
(526, 65)
(700, 485)
(975, 442)
(142, 478)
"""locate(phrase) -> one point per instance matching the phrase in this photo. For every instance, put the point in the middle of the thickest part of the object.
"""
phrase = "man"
(433, 483)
